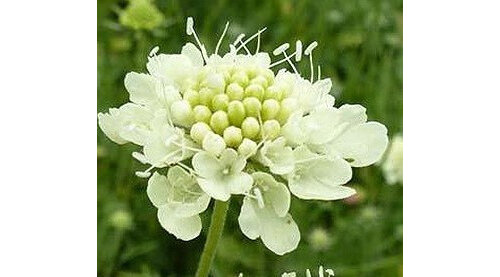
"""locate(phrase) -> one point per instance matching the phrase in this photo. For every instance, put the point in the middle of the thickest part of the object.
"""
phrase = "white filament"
(221, 37)
(298, 51)
(280, 49)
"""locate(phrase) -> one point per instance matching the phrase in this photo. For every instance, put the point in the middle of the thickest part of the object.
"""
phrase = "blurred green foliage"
(360, 48)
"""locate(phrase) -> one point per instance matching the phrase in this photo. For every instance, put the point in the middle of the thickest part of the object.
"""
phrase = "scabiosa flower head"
(228, 124)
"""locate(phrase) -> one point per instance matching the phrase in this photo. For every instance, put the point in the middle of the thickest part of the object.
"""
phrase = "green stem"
(214, 234)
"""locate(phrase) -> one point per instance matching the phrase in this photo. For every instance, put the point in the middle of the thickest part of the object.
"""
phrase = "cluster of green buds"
(233, 106)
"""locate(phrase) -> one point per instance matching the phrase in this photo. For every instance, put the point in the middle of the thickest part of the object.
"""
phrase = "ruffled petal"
(206, 165)
(279, 234)
(193, 53)
(184, 228)
(143, 88)
(157, 190)
(363, 144)
(248, 220)
(321, 180)
(240, 183)
(215, 188)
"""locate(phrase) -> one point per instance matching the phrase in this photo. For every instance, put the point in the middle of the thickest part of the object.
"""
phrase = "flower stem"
(214, 234)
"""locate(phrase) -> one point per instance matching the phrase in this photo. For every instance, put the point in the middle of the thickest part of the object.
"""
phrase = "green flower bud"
(213, 144)
(202, 114)
(252, 106)
(240, 77)
(247, 147)
(182, 113)
(121, 219)
(271, 129)
(219, 121)
(199, 130)
(236, 112)
(214, 81)
(274, 92)
(233, 136)
(220, 102)
(254, 90)
(287, 107)
(252, 71)
(270, 109)
(206, 96)
(250, 127)
(141, 14)
(235, 91)
(268, 74)
(260, 80)
(192, 96)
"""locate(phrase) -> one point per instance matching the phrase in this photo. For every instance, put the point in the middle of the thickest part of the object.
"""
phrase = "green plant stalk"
(214, 234)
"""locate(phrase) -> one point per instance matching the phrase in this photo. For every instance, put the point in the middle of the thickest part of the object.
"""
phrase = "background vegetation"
(360, 48)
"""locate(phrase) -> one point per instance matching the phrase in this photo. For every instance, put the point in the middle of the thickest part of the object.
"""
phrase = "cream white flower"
(264, 214)
(240, 125)
(223, 176)
(179, 200)
(392, 165)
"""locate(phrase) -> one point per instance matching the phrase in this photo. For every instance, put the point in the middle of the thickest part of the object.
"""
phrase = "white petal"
(186, 228)
(240, 182)
(279, 234)
(172, 69)
(157, 190)
(188, 209)
(279, 196)
(364, 144)
(216, 189)
(320, 125)
(143, 88)
(321, 180)
(275, 193)
(248, 221)
(193, 53)
(292, 130)
(352, 114)
(110, 124)
(206, 165)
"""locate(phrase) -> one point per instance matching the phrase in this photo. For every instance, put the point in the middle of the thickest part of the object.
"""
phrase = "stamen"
(186, 147)
(140, 157)
(288, 59)
(190, 170)
(189, 26)
(310, 48)
(238, 40)
(232, 49)
(258, 44)
(190, 31)
(319, 72)
(308, 52)
(308, 273)
(298, 51)
(260, 199)
(282, 60)
(280, 49)
(221, 37)
(251, 38)
(320, 271)
(154, 51)
(141, 174)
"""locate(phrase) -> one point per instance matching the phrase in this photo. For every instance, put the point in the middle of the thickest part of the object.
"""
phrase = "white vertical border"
(48, 138)
(451, 123)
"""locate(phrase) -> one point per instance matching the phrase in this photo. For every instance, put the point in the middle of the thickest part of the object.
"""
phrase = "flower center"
(235, 102)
